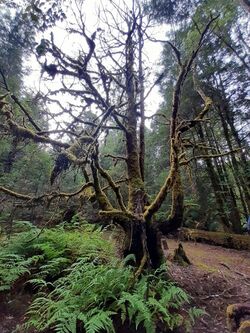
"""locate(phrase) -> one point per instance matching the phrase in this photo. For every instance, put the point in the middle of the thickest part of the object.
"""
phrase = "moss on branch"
(118, 214)
(15, 194)
(26, 133)
(101, 197)
(45, 197)
(168, 184)
(115, 188)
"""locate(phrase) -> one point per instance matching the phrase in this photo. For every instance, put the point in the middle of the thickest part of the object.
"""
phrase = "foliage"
(219, 187)
(91, 294)
(169, 10)
(78, 283)
(12, 266)
(49, 251)
(44, 14)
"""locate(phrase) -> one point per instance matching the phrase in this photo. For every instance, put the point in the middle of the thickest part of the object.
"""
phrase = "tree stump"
(180, 256)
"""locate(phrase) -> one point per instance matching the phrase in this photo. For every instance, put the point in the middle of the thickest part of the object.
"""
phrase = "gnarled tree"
(100, 86)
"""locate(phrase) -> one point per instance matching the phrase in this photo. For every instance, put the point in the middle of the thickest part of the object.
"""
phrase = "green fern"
(138, 311)
(39, 283)
(21, 226)
(48, 252)
(81, 286)
(54, 267)
(68, 325)
(12, 266)
(99, 320)
(93, 294)
(194, 313)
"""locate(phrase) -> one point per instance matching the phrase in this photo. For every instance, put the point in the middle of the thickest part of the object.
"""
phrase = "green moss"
(205, 267)
(137, 183)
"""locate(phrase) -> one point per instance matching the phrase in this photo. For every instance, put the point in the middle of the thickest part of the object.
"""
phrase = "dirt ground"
(12, 310)
(217, 277)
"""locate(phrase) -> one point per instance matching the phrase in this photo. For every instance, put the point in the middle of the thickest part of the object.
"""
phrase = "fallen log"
(233, 241)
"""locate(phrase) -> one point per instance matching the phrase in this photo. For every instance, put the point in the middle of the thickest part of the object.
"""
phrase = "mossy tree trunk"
(136, 191)
(10, 159)
(177, 207)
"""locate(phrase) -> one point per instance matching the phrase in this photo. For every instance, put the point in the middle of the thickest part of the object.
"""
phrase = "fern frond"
(99, 320)
(195, 313)
(39, 283)
(66, 326)
(129, 258)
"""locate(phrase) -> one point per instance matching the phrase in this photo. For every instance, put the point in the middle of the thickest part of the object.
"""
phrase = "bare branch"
(177, 53)
(123, 158)
(208, 156)
(16, 100)
(25, 133)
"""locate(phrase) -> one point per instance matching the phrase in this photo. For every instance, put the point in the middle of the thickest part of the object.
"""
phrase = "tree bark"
(142, 103)
(136, 192)
(177, 206)
(215, 181)
(10, 159)
(227, 187)
(237, 171)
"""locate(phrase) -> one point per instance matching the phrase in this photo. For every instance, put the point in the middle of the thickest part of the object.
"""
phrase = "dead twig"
(219, 295)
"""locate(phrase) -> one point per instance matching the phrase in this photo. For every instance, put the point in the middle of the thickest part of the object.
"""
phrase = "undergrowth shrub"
(80, 286)
(48, 252)
(90, 295)
(12, 266)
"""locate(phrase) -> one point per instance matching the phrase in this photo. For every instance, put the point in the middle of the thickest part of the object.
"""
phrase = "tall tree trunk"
(227, 187)
(241, 174)
(177, 207)
(136, 192)
(142, 103)
(237, 171)
(10, 159)
(135, 181)
(245, 164)
(215, 181)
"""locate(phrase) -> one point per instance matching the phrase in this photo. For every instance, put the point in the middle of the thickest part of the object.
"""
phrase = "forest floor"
(217, 277)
